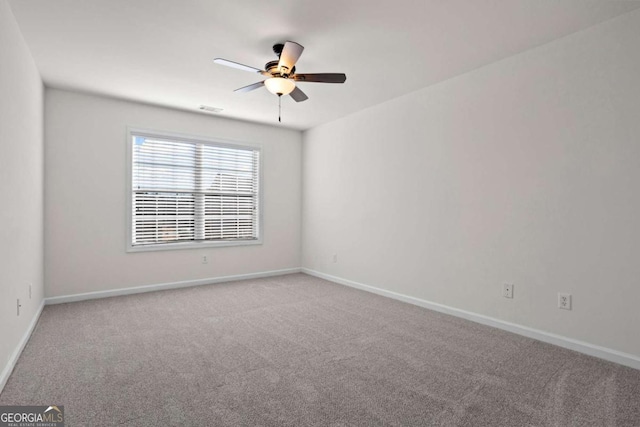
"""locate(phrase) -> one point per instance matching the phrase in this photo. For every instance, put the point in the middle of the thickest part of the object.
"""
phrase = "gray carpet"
(295, 351)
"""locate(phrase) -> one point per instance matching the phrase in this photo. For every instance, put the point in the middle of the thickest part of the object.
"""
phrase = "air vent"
(210, 109)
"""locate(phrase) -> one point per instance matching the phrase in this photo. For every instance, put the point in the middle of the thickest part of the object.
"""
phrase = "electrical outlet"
(335, 258)
(507, 290)
(564, 301)
(205, 259)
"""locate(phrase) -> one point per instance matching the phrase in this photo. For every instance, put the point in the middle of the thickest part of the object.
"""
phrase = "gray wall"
(86, 193)
(21, 169)
(524, 171)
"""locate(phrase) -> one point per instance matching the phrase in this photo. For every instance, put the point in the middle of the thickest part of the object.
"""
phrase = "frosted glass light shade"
(279, 85)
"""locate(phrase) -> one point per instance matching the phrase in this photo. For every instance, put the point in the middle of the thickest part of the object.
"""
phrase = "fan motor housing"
(272, 68)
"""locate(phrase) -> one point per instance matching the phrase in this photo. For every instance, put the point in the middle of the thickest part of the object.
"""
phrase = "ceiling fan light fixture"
(279, 85)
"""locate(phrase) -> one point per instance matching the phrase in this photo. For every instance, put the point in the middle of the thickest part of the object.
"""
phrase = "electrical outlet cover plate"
(564, 301)
(507, 290)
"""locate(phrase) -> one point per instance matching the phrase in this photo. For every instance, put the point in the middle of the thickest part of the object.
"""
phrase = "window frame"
(220, 142)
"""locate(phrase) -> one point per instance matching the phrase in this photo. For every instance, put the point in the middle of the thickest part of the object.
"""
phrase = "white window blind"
(186, 191)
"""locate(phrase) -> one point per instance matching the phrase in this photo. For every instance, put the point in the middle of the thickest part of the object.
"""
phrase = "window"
(189, 193)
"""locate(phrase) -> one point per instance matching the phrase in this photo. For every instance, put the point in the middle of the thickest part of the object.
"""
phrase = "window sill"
(192, 245)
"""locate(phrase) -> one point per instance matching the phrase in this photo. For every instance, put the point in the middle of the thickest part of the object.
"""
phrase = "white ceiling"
(161, 51)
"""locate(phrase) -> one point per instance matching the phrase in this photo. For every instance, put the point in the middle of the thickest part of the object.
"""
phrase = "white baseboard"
(162, 286)
(6, 372)
(580, 346)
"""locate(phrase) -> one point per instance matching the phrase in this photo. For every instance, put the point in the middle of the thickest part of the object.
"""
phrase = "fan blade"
(298, 95)
(289, 56)
(250, 87)
(237, 65)
(321, 77)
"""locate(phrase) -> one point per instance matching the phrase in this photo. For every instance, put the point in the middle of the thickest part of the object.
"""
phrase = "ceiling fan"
(281, 74)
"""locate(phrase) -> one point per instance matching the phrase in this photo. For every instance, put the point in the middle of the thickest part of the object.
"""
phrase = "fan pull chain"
(279, 108)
